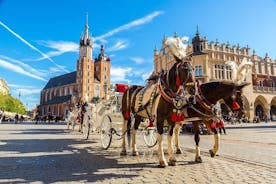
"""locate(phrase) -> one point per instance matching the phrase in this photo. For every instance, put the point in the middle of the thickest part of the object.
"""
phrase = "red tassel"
(174, 117)
(127, 115)
(151, 124)
(177, 81)
(180, 117)
(213, 125)
(236, 106)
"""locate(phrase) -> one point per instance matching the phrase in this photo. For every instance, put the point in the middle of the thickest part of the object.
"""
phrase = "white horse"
(71, 118)
(92, 117)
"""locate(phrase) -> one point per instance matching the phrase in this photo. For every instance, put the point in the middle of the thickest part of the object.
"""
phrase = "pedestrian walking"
(16, 118)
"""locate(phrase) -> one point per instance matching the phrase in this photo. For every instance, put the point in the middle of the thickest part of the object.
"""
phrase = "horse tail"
(126, 105)
(129, 131)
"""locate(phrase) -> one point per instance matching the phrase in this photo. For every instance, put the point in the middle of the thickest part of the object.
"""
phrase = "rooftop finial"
(86, 18)
(197, 32)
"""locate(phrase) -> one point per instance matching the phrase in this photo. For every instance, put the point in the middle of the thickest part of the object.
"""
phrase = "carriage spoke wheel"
(150, 137)
(105, 132)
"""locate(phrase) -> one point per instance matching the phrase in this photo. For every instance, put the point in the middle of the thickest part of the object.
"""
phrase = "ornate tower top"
(86, 39)
(102, 56)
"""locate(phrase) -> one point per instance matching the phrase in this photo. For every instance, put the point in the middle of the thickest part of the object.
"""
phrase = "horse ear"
(177, 59)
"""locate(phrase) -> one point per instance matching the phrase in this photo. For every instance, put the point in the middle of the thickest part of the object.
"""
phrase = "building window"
(228, 73)
(105, 69)
(219, 71)
(88, 81)
(97, 68)
(261, 83)
(272, 84)
(198, 70)
(87, 66)
(88, 73)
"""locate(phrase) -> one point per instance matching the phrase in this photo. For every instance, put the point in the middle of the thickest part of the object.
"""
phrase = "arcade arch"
(261, 107)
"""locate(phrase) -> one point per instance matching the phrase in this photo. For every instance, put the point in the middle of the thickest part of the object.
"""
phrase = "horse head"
(176, 46)
(236, 101)
(229, 92)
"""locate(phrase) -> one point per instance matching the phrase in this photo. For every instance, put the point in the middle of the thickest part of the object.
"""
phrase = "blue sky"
(39, 39)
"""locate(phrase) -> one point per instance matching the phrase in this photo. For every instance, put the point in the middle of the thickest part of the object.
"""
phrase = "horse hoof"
(162, 164)
(198, 160)
(123, 153)
(135, 153)
(178, 151)
(212, 154)
(172, 162)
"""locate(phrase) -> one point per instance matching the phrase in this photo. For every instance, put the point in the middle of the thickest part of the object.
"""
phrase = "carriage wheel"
(86, 127)
(106, 133)
(149, 134)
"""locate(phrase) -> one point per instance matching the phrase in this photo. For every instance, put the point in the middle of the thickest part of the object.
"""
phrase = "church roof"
(61, 80)
(58, 100)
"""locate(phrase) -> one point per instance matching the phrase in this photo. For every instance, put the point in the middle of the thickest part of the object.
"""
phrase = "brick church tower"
(102, 71)
(85, 67)
(93, 77)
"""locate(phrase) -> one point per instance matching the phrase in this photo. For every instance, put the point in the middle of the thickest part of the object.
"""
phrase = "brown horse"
(205, 110)
(159, 102)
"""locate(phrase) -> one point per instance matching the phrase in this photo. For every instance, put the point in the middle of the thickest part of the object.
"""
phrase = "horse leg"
(172, 159)
(123, 146)
(161, 156)
(176, 138)
(197, 139)
(134, 130)
(216, 145)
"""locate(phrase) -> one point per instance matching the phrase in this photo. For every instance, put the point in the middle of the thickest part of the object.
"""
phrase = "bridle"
(167, 93)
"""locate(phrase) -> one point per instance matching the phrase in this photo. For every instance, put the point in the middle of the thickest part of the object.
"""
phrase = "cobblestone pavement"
(51, 154)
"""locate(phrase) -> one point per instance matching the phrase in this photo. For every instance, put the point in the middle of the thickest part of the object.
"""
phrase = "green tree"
(8, 103)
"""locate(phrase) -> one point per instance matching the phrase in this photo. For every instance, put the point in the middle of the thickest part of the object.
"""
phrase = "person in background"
(16, 118)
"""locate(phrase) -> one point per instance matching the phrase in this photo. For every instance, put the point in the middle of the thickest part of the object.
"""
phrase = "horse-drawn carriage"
(105, 118)
(175, 96)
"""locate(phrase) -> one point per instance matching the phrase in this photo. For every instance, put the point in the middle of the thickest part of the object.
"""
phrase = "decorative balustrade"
(263, 89)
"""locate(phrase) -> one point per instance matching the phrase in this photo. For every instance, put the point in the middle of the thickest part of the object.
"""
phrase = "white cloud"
(25, 66)
(137, 60)
(127, 26)
(119, 74)
(28, 44)
(18, 69)
(60, 47)
(119, 45)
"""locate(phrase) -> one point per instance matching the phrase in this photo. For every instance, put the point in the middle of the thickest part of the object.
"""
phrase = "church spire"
(86, 39)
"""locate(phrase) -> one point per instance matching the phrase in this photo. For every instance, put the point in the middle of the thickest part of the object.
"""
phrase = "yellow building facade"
(209, 62)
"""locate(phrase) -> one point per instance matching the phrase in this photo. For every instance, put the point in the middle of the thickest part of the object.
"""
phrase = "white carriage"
(105, 118)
